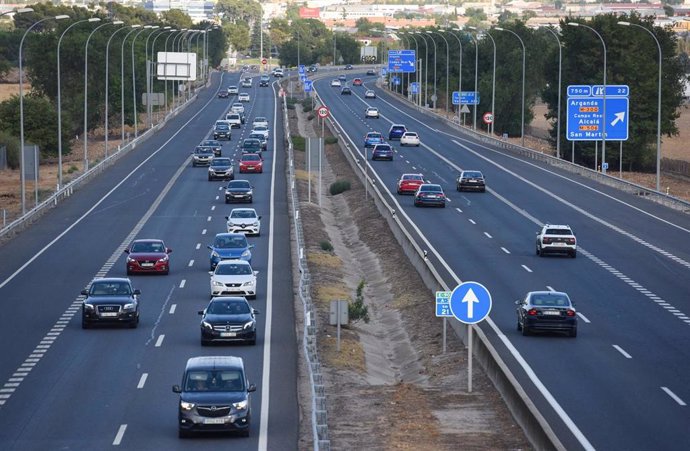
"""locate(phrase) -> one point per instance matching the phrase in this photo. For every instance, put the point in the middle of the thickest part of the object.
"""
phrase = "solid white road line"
(619, 349)
(159, 342)
(142, 380)
(119, 435)
(172, 309)
(673, 396)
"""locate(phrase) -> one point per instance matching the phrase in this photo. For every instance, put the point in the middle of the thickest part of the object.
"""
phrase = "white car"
(233, 90)
(278, 73)
(232, 278)
(370, 94)
(558, 239)
(243, 97)
(260, 129)
(244, 220)
(246, 83)
(234, 119)
(260, 120)
(237, 107)
(371, 112)
(409, 139)
(336, 83)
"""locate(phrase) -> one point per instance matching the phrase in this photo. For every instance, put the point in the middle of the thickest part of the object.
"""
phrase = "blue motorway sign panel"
(383, 71)
(396, 81)
(585, 121)
(579, 91)
(308, 86)
(414, 87)
(470, 302)
(443, 304)
(466, 98)
(401, 60)
(303, 78)
(300, 69)
(611, 91)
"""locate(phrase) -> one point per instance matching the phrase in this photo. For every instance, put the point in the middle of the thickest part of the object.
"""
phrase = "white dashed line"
(584, 318)
(172, 309)
(458, 210)
(472, 221)
(550, 288)
(619, 349)
(191, 263)
(217, 197)
(487, 235)
(183, 282)
(119, 435)
(203, 232)
(505, 250)
(142, 380)
(159, 342)
(208, 219)
(213, 207)
(198, 246)
(673, 396)
(526, 268)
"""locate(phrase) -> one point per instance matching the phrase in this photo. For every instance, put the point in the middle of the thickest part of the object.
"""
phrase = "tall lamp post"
(21, 102)
(459, 69)
(417, 77)
(560, 66)
(149, 71)
(165, 66)
(59, 96)
(86, 90)
(522, 129)
(447, 66)
(603, 123)
(107, 79)
(658, 106)
(134, 86)
(426, 68)
(122, 83)
(493, 80)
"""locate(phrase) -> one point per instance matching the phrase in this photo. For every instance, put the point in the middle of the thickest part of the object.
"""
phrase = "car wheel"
(184, 434)
(525, 330)
(245, 433)
(573, 254)
(458, 188)
(85, 324)
(129, 273)
(166, 272)
(252, 342)
(210, 178)
(538, 251)
(399, 192)
(205, 342)
(519, 326)
(417, 145)
(573, 332)
(227, 201)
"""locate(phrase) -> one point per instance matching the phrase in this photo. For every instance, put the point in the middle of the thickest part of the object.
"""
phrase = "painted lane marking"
(191, 263)
(119, 435)
(142, 380)
(159, 342)
(619, 349)
(172, 309)
(526, 268)
(673, 396)
(487, 235)
(472, 221)
(183, 282)
(505, 250)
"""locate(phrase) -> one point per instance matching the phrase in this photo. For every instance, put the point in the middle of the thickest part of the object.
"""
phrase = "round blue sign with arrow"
(470, 302)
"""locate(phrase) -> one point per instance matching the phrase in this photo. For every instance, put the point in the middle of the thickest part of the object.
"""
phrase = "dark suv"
(110, 301)
(222, 131)
(396, 131)
(214, 396)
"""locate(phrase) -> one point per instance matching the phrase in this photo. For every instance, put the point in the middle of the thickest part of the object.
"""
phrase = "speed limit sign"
(323, 112)
(488, 118)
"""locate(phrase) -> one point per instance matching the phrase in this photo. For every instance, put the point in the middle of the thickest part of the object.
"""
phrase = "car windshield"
(241, 184)
(558, 232)
(411, 135)
(228, 308)
(412, 177)
(210, 143)
(230, 242)
(222, 127)
(382, 147)
(549, 300)
(397, 128)
(214, 381)
(233, 269)
(147, 246)
(258, 136)
(251, 157)
(221, 162)
(374, 136)
(260, 128)
(260, 119)
(237, 105)
(251, 143)
(242, 214)
(110, 289)
(430, 188)
(476, 175)
(203, 150)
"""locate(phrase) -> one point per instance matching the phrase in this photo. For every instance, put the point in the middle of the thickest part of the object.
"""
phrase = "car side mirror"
(85, 292)
(176, 389)
(168, 250)
(256, 311)
(126, 251)
(256, 273)
(210, 273)
(209, 246)
(518, 302)
(137, 292)
(251, 388)
(201, 312)
(259, 217)
(251, 246)
(227, 218)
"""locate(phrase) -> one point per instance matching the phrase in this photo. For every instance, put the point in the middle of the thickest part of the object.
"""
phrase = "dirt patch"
(389, 387)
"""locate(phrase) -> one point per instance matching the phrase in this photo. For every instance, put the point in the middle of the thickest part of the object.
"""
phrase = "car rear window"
(558, 232)
(550, 300)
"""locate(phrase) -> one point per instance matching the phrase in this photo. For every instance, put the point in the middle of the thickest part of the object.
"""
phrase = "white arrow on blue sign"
(443, 304)
(586, 116)
(470, 302)
(308, 85)
(414, 88)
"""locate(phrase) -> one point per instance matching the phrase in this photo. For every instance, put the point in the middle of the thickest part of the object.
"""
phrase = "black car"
(371, 72)
(471, 180)
(264, 81)
(239, 191)
(228, 319)
(346, 91)
(221, 168)
(110, 301)
(261, 137)
(202, 156)
(348, 67)
(430, 194)
(215, 145)
(252, 145)
(222, 131)
(546, 311)
(214, 396)
(312, 69)
(223, 94)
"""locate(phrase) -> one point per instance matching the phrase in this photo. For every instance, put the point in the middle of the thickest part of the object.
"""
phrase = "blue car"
(396, 131)
(230, 246)
(382, 152)
(373, 138)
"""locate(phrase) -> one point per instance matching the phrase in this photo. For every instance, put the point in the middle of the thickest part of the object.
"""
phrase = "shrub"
(299, 143)
(326, 246)
(310, 116)
(72, 169)
(290, 103)
(306, 105)
(357, 310)
(339, 186)
(330, 140)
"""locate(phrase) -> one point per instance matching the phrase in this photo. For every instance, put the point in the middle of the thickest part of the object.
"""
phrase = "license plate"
(559, 244)
(146, 265)
(551, 313)
(214, 420)
(109, 314)
(228, 334)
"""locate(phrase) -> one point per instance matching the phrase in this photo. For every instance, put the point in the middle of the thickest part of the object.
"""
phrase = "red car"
(251, 162)
(409, 183)
(357, 82)
(148, 256)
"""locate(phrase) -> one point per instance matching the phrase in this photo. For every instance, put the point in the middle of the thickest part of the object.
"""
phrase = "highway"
(623, 382)
(68, 388)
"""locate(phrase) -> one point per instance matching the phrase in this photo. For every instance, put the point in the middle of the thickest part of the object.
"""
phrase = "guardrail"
(319, 417)
(532, 422)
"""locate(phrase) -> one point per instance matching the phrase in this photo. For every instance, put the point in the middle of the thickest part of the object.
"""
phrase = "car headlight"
(242, 405)
(249, 284)
(248, 325)
(206, 325)
(163, 259)
(130, 260)
(215, 283)
(184, 405)
(246, 254)
(214, 254)
(88, 306)
(128, 306)
(256, 224)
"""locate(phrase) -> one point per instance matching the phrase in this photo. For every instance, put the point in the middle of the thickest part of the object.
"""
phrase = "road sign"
(414, 87)
(466, 98)
(383, 72)
(585, 118)
(488, 118)
(322, 112)
(396, 81)
(611, 90)
(401, 61)
(465, 109)
(443, 304)
(308, 86)
(604, 166)
(300, 69)
(302, 78)
(264, 61)
(470, 302)
(579, 91)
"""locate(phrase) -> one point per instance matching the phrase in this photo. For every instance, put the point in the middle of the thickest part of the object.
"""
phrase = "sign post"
(443, 310)
(488, 119)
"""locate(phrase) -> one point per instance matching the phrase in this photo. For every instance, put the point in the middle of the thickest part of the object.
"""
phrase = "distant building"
(197, 10)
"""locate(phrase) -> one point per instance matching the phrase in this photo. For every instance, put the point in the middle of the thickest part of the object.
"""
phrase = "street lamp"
(134, 86)
(558, 117)
(107, 77)
(17, 11)
(86, 89)
(522, 129)
(165, 66)
(175, 47)
(59, 102)
(603, 122)
(447, 66)
(459, 70)
(658, 106)
(21, 103)
(122, 84)
(149, 72)
(434, 97)
(417, 77)
(493, 81)
(426, 68)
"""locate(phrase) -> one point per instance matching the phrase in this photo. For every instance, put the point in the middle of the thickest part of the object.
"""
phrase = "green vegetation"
(299, 143)
(330, 140)
(357, 310)
(339, 186)
(326, 246)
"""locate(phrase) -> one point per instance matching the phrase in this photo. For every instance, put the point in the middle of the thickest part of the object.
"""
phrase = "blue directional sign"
(401, 60)
(585, 118)
(611, 90)
(414, 87)
(300, 69)
(396, 81)
(470, 302)
(466, 98)
(308, 85)
(303, 78)
(579, 91)
(383, 72)
(443, 304)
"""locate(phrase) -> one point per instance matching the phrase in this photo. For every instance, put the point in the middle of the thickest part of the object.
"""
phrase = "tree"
(280, 31)
(12, 145)
(239, 11)
(177, 19)
(238, 35)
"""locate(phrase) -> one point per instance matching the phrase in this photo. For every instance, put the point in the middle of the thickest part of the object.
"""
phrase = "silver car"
(244, 220)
